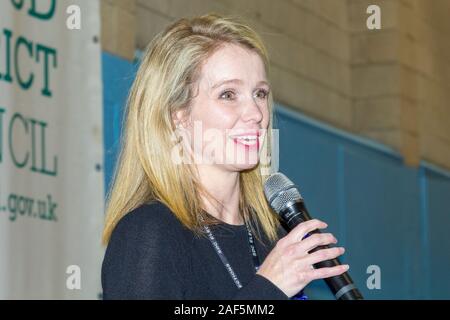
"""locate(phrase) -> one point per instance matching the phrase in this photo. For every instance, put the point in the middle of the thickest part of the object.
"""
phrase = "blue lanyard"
(224, 259)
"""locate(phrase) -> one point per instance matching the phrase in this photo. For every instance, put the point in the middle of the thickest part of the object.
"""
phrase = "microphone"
(285, 199)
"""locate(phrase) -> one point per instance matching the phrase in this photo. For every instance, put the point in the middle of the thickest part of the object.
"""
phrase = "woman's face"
(231, 108)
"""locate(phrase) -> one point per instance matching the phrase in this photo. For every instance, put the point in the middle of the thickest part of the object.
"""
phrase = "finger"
(302, 248)
(315, 240)
(299, 232)
(323, 273)
(323, 255)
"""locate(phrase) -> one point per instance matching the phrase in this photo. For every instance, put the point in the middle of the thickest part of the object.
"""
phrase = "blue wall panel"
(377, 220)
(438, 214)
(118, 75)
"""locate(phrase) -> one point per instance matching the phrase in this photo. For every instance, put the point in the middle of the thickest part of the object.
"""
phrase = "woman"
(186, 215)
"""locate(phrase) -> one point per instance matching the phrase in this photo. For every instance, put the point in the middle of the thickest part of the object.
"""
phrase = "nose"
(252, 111)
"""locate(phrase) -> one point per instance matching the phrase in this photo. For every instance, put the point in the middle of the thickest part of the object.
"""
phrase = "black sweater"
(151, 255)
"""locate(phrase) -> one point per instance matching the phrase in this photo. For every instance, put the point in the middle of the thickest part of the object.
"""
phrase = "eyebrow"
(238, 81)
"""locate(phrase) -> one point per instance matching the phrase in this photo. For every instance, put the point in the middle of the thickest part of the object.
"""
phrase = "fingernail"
(346, 266)
(342, 249)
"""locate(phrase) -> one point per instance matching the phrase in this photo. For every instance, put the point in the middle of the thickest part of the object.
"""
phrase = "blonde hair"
(164, 84)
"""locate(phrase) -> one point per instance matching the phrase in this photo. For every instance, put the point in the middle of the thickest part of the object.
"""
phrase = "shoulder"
(146, 233)
(149, 221)
(142, 258)
(152, 216)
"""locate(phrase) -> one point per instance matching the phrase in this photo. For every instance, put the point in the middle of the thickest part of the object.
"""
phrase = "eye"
(262, 94)
(227, 95)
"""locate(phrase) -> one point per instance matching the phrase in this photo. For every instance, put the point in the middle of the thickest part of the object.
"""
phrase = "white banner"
(51, 149)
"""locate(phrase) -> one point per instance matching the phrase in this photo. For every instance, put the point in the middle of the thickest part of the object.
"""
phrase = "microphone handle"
(341, 286)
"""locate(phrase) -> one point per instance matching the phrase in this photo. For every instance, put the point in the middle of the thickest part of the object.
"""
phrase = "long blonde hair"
(164, 84)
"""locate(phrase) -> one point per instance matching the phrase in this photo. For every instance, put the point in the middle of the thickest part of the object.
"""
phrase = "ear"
(178, 117)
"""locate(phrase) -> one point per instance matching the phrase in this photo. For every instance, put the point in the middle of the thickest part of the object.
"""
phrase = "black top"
(151, 255)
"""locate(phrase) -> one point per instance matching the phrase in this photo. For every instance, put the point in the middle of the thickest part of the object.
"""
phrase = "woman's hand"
(289, 264)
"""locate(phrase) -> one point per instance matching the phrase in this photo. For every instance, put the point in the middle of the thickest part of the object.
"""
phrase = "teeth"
(247, 138)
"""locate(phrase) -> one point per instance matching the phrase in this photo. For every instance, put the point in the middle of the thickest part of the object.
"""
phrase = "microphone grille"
(279, 191)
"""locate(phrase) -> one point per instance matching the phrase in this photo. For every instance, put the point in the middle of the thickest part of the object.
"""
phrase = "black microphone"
(285, 199)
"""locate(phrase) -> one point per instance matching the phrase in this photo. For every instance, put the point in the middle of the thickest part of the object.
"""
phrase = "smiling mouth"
(246, 140)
